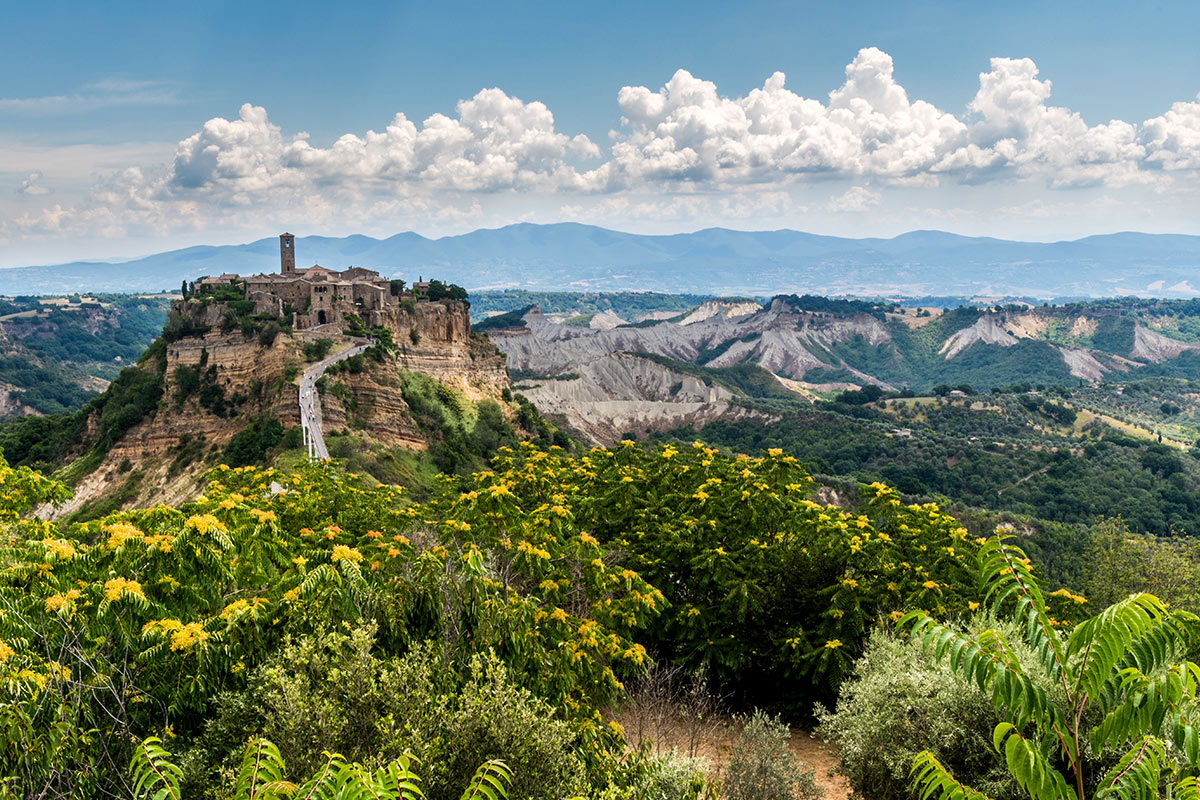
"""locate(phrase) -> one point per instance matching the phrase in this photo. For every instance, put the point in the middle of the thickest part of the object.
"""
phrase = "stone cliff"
(219, 376)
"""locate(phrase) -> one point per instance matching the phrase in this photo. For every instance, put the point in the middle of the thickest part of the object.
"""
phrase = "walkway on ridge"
(310, 400)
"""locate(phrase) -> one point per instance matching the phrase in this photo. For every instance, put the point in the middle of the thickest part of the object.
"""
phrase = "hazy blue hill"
(713, 261)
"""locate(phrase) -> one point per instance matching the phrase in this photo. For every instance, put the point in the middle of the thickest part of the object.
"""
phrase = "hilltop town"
(315, 296)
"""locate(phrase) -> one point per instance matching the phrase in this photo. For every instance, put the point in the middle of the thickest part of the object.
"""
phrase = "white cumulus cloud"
(856, 198)
(32, 185)
(745, 157)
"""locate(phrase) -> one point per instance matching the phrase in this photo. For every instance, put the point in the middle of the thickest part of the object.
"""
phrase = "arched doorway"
(321, 319)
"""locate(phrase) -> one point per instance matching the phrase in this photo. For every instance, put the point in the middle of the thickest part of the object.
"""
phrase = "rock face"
(253, 378)
(1153, 346)
(987, 329)
(777, 337)
(717, 308)
(622, 392)
(10, 403)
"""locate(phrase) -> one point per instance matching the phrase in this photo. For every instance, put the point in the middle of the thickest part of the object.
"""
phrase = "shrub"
(251, 444)
(667, 776)
(763, 767)
(897, 704)
(266, 337)
(330, 692)
(1120, 563)
(316, 350)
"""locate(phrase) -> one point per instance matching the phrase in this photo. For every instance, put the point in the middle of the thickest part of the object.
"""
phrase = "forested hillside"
(59, 352)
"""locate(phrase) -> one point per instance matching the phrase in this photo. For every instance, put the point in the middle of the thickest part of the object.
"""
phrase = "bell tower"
(287, 254)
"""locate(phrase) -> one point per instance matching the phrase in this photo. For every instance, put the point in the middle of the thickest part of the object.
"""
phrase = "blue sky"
(122, 128)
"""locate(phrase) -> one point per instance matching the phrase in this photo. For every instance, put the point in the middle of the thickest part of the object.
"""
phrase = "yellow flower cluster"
(239, 607)
(119, 533)
(188, 636)
(117, 588)
(6, 651)
(343, 553)
(161, 542)
(528, 549)
(1076, 598)
(203, 523)
(59, 548)
(261, 516)
(57, 602)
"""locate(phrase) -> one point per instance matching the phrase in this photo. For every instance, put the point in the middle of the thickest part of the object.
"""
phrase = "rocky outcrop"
(988, 329)
(10, 403)
(719, 308)
(779, 338)
(605, 320)
(620, 393)
(250, 377)
(1150, 345)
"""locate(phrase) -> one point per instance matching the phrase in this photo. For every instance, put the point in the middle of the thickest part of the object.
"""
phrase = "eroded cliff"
(219, 376)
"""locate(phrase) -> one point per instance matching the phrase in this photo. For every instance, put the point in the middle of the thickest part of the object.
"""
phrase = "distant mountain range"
(569, 256)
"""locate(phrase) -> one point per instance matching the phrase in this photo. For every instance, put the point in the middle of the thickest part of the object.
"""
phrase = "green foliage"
(763, 767)
(154, 776)
(43, 387)
(261, 777)
(667, 776)
(993, 453)
(623, 304)
(317, 349)
(129, 399)
(834, 305)
(509, 319)
(897, 704)
(1123, 666)
(251, 444)
(330, 692)
(748, 379)
(770, 592)
(1121, 563)
(119, 329)
(442, 291)
(459, 444)
(140, 620)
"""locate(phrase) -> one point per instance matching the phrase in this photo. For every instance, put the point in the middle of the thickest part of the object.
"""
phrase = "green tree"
(1124, 686)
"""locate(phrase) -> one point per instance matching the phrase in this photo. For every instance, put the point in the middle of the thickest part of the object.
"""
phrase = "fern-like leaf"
(490, 782)
(1029, 765)
(261, 774)
(154, 776)
(1136, 774)
(1101, 642)
(991, 665)
(932, 781)
(1006, 575)
(323, 785)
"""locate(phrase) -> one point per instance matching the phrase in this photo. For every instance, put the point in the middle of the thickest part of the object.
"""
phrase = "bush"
(897, 704)
(663, 777)
(330, 692)
(266, 337)
(251, 444)
(316, 350)
(762, 766)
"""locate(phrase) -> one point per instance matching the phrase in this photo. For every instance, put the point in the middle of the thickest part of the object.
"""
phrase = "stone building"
(317, 295)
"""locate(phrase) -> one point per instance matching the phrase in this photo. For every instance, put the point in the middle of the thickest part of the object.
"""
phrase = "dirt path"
(714, 741)
(822, 760)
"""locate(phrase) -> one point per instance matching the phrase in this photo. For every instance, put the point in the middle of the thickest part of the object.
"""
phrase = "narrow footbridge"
(310, 400)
